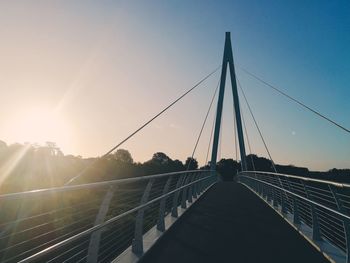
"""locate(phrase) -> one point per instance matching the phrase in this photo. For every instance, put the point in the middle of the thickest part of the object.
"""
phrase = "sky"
(85, 74)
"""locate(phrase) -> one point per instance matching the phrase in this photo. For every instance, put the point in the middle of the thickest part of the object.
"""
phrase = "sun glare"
(40, 125)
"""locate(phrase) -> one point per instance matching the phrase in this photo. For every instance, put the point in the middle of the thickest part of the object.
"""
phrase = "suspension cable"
(235, 135)
(246, 135)
(145, 124)
(220, 138)
(257, 126)
(211, 138)
(204, 122)
(295, 100)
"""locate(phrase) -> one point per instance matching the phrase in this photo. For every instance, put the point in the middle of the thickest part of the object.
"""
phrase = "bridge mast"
(228, 60)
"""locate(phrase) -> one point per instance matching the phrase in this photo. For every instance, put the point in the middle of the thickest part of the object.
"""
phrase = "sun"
(39, 125)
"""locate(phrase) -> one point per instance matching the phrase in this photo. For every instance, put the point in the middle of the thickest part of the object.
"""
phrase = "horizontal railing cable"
(315, 207)
(55, 215)
(305, 179)
(302, 197)
(66, 188)
(109, 221)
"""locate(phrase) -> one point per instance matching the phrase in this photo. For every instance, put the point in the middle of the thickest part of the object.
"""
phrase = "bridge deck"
(231, 224)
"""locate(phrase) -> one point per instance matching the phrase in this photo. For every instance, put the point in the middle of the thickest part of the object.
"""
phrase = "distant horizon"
(182, 160)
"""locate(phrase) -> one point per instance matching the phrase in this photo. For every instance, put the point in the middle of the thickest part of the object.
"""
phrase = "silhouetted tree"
(176, 165)
(160, 158)
(260, 163)
(3, 145)
(35, 166)
(123, 156)
(227, 168)
(191, 164)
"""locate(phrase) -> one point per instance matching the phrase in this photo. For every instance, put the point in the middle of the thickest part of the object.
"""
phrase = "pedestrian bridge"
(186, 216)
(230, 224)
(180, 217)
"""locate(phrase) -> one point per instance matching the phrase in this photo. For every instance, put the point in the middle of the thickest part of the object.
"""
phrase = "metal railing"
(92, 222)
(319, 209)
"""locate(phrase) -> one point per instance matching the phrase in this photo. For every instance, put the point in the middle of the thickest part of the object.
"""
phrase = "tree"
(123, 156)
(3, 145)
(3, 149)
(53, 149)
(227, 168)
(160, 158)
(177, 165)
(191, 164)
(260, 163)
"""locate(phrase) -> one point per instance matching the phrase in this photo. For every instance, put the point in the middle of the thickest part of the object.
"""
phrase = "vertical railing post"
(199, 184)
(95, 238)
(316, 235)
(184, 192)
(204, 184)
(274, 194)
(256, 186)
(283, 202)
(269, 193)
(347, 236)
(161, 223)
(296, 216)
(283, 197)
(263, 190)
(179, 182)
(195, 186)
(137, 243)
(200, 187)
(346, 222)
(260, 192)
(190, 189)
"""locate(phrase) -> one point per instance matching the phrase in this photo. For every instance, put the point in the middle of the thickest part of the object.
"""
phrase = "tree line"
(26, 167)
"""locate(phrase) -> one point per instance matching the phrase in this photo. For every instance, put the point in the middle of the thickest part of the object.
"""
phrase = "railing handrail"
(303, 198)
(319, 211)
(44, 191)
(301, 178)
(108, 222)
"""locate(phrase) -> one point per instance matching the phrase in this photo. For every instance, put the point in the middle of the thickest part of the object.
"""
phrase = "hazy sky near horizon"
(87, 73)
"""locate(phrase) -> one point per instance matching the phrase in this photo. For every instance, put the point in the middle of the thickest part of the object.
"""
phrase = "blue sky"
(104, 67)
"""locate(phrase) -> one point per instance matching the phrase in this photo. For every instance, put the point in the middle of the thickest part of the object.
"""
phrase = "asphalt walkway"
(231, 224)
